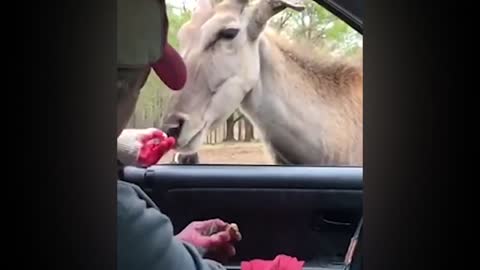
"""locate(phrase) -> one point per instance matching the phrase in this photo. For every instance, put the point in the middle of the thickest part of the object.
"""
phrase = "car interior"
(311, 213)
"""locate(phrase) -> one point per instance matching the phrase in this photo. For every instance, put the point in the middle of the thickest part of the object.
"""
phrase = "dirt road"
(230, 153)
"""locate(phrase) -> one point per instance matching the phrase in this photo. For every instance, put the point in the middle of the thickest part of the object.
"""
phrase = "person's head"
(142, 28)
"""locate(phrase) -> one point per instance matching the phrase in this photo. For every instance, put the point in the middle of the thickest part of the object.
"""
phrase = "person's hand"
(214, 236)
(143, 147)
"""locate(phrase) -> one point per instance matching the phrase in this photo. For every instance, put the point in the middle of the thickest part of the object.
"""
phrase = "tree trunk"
(224, 131)
(157, 123)
(209, 140)
(134, 119)
(230, 129)
(240, 129)
(249, 136)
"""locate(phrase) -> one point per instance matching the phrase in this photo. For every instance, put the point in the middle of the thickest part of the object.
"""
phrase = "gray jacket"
(145, 239)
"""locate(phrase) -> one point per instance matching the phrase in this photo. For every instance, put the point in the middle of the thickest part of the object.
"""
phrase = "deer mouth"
(187, 137)
(189, 141)
(189, 145)
(175, 131)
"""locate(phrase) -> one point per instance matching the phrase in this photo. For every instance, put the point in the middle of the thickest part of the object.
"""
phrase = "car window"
(298, 103)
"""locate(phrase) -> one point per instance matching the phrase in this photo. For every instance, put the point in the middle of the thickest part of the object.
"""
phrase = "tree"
(230, 125)
(240, 129)
(319, 27)
(177, 16)
(249, 136)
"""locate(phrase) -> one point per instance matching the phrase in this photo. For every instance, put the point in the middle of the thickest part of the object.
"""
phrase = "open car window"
(221, 127)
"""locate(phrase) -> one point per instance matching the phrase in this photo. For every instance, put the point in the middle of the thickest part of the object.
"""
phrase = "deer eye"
(229, 33)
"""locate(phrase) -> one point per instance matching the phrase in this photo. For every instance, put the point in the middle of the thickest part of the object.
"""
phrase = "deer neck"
(281, 115)
(300, 123)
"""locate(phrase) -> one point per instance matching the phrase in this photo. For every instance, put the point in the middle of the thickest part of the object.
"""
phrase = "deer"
(306, 105)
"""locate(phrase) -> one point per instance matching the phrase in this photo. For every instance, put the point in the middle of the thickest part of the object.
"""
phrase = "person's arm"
(145, 238)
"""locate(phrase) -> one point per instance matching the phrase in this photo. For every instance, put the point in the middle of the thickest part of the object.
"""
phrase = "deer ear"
(296, 5)
(265, 9)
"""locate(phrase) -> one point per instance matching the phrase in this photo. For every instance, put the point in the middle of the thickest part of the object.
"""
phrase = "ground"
(230, 153)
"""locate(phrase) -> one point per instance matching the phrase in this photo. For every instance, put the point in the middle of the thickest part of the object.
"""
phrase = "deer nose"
(173, 125)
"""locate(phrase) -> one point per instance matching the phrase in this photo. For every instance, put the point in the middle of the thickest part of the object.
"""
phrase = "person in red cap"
(145, 238)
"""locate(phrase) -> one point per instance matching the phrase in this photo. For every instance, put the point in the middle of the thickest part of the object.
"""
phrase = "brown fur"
(339, 76)
(334, 82)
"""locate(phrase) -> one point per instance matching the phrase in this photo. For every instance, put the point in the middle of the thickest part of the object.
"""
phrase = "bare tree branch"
(238, 119)
(284, 19)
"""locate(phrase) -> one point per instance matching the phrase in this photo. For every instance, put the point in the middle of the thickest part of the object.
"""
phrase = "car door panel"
(307, 212)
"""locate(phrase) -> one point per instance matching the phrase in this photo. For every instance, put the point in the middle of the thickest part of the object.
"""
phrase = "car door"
(307, 212)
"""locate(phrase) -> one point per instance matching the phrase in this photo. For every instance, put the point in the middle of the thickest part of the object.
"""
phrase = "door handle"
(337, 223)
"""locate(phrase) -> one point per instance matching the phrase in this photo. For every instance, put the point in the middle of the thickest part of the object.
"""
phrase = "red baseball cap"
(170, 68)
